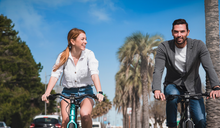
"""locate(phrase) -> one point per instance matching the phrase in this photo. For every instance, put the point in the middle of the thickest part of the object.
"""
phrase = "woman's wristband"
(101, 92)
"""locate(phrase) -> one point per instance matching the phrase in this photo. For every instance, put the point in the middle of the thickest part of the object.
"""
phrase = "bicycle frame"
(185, 121)
(74, 105)
(73, 113)
(185, 113)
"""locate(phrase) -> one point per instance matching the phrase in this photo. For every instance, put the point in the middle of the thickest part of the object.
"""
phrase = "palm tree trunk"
(212, 43)
(144, 81)
(133, 112)
(155, 124)
(161, 125)
(124, 116)
(138, 111)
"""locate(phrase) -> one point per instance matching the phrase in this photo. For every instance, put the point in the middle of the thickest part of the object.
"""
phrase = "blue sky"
(44, 24)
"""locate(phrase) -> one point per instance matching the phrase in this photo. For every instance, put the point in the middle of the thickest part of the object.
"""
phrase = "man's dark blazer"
(196, 53)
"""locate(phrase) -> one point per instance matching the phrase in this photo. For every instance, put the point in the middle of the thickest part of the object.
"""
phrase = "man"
(182, 57)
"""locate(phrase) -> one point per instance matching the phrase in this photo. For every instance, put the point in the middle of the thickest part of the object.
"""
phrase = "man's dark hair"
(180, 21)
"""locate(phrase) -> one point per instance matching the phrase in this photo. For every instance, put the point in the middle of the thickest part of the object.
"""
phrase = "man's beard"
(180, 43)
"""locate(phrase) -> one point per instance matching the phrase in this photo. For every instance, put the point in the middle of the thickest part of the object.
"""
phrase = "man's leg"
(171, 105)
(197, 109)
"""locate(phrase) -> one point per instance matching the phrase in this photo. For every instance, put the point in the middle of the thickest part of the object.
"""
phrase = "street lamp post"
(45, 91)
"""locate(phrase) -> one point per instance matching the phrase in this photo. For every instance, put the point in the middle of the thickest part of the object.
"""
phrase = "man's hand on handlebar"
(215, 93)
(158, 95)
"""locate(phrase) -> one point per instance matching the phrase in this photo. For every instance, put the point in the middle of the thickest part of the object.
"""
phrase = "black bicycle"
(74, 105)
(185, 120)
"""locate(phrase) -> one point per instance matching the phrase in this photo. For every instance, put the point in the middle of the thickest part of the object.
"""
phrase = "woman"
(80, 71)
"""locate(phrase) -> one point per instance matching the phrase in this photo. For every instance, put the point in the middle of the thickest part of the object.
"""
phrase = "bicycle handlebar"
(186, 96)
(54, 96)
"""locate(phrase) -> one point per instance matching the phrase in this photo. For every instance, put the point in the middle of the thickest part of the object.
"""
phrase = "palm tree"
(141, 48)
(129, 88)
(128, 66)
(134, 83)
(145, 47)
(121, 99)
(212, 43)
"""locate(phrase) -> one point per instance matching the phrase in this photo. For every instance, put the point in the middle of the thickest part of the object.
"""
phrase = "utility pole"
(45, 91)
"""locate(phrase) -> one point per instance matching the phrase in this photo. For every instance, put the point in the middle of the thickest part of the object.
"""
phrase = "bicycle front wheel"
(72, 126)
(189, 124)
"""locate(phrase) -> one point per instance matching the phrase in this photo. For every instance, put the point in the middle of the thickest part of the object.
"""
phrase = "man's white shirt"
(180, 58)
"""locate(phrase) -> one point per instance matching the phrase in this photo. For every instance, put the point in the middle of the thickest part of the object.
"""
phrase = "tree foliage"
(158, 112)
(21, 89)
(101, 108)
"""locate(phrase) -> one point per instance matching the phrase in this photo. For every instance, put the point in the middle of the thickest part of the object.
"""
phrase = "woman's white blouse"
(78, 75)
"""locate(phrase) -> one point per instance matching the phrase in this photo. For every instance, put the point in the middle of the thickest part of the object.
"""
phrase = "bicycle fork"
(187, 121)
(187, 110)
(72, 116)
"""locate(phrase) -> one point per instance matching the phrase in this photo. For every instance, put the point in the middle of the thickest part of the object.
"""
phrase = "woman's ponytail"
(63, 58)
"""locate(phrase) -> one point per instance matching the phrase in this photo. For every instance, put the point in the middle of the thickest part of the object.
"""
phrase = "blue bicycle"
(74, 105)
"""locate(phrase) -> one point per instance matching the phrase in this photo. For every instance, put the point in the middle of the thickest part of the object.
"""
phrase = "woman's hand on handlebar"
(100, 97)
(44, 97)
(158, 95)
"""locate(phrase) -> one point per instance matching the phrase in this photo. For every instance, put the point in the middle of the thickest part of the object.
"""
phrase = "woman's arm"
(96, 81)
(51, 84)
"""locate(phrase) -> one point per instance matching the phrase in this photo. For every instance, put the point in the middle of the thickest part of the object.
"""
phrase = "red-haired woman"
(80, 71)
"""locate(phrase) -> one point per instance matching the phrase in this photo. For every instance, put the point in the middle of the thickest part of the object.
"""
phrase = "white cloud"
(110, 5)
(54, 3)
(100, 14)
(23, 15)
(27, 18)
(103, 9)
(57, 3)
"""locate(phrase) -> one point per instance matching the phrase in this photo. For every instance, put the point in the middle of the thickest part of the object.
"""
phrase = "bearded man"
(182, 57)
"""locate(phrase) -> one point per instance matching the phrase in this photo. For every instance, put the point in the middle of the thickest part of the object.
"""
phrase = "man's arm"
(160, 61)
(210, 71)
(158, 68)
(207, 65)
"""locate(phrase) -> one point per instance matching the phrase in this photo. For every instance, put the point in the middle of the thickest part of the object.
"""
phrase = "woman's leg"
(85, 112)
(65, 116)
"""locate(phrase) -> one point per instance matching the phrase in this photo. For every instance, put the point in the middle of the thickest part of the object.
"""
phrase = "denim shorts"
(77, 92)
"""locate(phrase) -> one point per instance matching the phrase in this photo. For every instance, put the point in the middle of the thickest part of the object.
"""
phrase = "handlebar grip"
(104, 99)
(51, 97)
(169, 97)
(206, 94)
